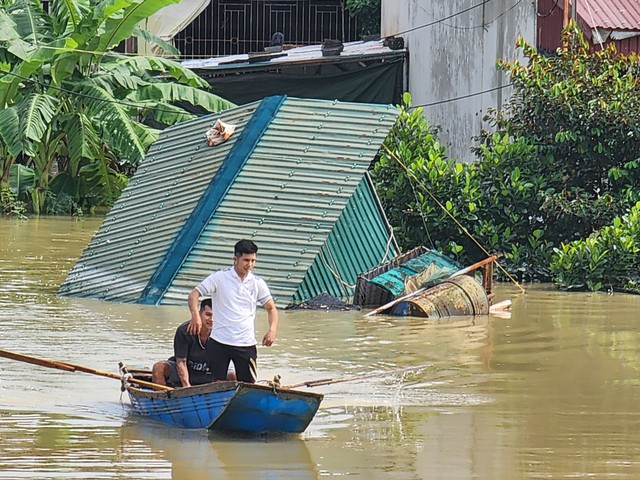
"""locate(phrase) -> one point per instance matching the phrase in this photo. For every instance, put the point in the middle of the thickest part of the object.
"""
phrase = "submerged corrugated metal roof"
(360, 231)
(135, 235)
(610, 14)
(292, 178)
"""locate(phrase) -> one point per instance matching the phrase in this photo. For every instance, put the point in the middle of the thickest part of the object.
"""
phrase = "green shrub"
(404, 188)
(496, 201)
(10, 205)
(607, 260)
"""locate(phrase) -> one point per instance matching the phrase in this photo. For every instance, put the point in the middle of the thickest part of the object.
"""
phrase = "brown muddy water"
(551, 392)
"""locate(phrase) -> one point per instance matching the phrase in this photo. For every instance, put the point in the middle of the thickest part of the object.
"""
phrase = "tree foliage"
(556, 165)
(582, 109)
(368, 14)
(464, 210)
(76, 111)
(608, 259)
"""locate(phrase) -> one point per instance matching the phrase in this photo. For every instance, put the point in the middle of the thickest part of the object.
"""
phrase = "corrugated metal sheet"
(291, 196)
(291, 193)
(132, 240)
(610, 14)
(360, 237)
(605, 15)
(297, 55)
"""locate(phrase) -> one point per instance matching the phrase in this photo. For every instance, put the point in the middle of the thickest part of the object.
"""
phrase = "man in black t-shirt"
(189, 365)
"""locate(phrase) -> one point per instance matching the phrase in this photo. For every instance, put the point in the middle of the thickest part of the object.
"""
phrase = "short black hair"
(206, 302)
(244, 246)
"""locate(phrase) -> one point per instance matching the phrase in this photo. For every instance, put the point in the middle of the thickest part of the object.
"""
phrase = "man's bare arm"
(273, 317)
(196, 322)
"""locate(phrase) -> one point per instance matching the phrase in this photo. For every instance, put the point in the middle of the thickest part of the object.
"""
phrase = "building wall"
(454, 58)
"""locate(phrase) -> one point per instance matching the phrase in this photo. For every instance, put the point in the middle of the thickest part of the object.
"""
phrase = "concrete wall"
(456, 58)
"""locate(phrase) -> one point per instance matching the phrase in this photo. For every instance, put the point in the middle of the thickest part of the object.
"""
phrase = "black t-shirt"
(189, 347)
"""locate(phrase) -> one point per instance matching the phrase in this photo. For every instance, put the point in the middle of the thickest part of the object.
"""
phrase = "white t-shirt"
(234, 305)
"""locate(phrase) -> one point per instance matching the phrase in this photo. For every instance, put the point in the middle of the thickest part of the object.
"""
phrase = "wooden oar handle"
(311, 383)
(70, 367)
(37, 361)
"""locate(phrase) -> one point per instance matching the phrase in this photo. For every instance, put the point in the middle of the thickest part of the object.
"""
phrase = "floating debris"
(324, 301)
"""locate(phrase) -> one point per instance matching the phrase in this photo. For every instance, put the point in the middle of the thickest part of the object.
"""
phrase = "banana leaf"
(21, 178)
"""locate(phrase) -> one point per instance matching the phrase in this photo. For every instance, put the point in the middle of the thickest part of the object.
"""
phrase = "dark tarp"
(377, 83)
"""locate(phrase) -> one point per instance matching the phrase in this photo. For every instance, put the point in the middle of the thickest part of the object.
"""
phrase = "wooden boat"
(223, 406)
(228, 406)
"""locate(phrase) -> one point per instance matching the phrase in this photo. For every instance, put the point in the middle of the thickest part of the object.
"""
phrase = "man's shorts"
(174, 379)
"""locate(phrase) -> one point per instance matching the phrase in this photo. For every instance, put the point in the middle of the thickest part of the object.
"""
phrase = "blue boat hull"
(229, 407)
(197, 408)
(264, 410)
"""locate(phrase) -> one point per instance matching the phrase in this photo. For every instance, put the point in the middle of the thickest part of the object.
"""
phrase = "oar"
(70, 367)
(329, 381)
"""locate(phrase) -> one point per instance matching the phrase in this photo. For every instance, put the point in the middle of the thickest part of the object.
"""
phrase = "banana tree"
(71, 104)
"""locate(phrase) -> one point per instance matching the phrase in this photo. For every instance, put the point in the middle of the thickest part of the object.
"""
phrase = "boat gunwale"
(215, 387)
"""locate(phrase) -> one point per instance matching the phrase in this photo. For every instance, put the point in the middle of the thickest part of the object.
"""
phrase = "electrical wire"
(435, 22)
(594, 22)
(544, 15)
(462, 97)
(483, 25)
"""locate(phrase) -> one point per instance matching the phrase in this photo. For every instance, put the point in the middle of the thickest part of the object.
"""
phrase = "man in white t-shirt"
(235, 293)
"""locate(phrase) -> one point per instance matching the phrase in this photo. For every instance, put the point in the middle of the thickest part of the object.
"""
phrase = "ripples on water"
(549, 393)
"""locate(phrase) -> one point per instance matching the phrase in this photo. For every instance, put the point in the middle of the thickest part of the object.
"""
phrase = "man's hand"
(269, 338)
(195, 325)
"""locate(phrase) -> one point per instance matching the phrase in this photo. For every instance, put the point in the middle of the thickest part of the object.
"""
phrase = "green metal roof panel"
(117, 263)
(300, 189)
(360, 239)
(291, 192)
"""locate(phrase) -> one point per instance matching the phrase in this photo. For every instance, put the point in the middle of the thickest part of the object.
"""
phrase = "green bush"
(496, 201)
(417, 219)
(607, 260)
(560, 162)
(10, 205)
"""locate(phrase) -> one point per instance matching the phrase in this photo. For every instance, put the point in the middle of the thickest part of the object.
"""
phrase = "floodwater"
(550, 393)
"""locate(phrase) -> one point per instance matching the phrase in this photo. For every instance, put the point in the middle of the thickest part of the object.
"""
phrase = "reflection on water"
(550, 392)
(202, 455)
